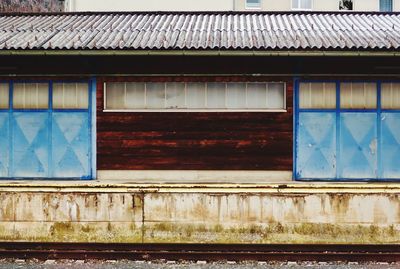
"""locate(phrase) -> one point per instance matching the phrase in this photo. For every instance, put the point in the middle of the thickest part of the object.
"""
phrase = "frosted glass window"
(31, 96)
(196, 95)
(70, 95)
(115, 95)
(256, 95)
(390, 95)
(318, 95)
(216, 95)
(358, 95)
(175, 95)
(129, 95)
(155, 95)
(4, 98)
(134, 95)
(236, 95)
(302, 4)
(276, 96)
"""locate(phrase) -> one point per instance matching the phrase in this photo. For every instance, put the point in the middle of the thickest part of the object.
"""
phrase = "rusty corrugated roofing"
(201, 31)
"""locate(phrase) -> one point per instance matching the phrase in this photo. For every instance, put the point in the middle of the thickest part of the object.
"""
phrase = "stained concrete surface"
(22, 264)
(330, 213)
(116, 214)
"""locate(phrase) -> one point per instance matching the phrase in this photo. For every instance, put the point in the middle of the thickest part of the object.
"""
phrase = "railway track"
(205, 252)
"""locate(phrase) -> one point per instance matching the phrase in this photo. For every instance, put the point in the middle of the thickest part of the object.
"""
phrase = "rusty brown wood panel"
(199, 141)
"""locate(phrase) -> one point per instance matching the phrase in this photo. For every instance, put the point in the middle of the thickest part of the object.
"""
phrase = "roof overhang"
(238, 53)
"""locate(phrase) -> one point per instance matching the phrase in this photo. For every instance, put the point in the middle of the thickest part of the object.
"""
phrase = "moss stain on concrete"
(189, 233)
(273, 233)
(203, 221)
(75, 232)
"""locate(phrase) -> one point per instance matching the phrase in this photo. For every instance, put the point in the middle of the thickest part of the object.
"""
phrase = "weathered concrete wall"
(75, 217)
(272, 218)
(224, 214)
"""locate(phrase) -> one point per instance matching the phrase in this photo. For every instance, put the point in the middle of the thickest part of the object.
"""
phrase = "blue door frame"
(335, 144)
(48, 143)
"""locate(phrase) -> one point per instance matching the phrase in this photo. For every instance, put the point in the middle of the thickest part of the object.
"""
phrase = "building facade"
(234, 5)
(219, 117)
(200, 127)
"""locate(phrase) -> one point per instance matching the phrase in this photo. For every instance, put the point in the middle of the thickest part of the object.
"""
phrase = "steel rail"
(206, 252)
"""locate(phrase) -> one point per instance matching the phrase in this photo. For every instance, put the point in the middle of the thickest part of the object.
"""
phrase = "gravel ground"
(52, 264)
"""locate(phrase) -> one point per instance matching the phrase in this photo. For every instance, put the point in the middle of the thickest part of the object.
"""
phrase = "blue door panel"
(70, 140)
(4, 144)
(358, 145)
(390, 145)
(316, 145)
(47, 143)
(30, 145)
(361, 144)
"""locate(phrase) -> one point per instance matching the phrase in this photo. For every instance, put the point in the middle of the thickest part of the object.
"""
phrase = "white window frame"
(299, 4)
(206, 110)
(253, 8)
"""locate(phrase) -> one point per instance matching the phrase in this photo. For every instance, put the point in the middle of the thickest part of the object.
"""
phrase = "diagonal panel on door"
(4, 144)
(358, 145)
(30, 145)
(70, 145)
(316, 146)
(390, 145)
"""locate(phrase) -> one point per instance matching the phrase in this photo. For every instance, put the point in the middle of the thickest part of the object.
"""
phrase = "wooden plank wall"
(194, 141)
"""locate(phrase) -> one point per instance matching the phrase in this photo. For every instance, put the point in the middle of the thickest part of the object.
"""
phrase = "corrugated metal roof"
(201, 31)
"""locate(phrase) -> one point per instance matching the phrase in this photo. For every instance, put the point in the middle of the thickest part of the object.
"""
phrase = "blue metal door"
(70, 151)
(4, 143)
(30, 150)
(344, 141)
(48, 142)
(390, 145)
(316, 145)
(358, 145)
